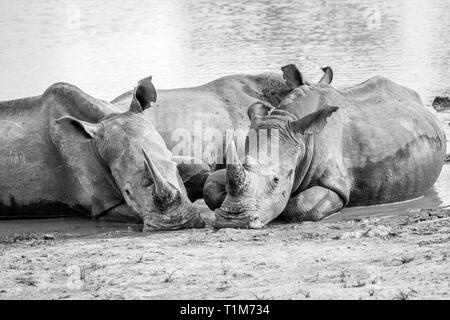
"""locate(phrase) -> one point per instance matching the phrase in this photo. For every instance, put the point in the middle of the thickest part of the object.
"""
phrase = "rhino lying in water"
(66, 152)
(370, 144)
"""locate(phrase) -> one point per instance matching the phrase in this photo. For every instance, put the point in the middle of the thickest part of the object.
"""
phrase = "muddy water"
(105, 48)
(73, 226)
(438, 195)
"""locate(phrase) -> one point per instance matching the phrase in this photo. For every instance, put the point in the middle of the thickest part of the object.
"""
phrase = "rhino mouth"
(238, 215)
(180, 218)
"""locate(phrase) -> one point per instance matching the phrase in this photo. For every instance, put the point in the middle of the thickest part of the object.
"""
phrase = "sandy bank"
(403, 257)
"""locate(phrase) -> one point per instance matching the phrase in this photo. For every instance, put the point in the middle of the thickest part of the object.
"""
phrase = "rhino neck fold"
(303, 165)
(104, 169)
(103, 205)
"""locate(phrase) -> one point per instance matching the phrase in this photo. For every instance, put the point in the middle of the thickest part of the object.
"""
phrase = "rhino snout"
(183, 217)
(243, 219)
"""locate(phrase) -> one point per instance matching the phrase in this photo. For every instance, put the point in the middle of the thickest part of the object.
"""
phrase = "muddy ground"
(402, 257)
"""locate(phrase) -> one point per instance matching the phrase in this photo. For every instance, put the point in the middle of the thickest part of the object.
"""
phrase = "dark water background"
(104, 47)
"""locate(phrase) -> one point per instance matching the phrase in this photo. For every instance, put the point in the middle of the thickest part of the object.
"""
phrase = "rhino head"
(138, 164)
(258, 188)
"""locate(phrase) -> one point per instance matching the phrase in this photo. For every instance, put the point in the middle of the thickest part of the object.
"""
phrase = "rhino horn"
(236, 175)
(162, 188)
(328, 76)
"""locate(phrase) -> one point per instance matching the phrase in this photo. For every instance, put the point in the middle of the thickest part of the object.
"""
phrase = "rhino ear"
(314, 122)
(328, 75)
(293, 76)
(258, 110)
(144, 95)
(87, 129)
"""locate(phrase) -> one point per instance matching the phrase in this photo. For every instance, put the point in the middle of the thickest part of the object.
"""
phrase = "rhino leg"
(312, 204)
(214, 190)
(194, 186)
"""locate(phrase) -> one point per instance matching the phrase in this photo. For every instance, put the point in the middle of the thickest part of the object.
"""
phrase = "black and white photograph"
(222, 150)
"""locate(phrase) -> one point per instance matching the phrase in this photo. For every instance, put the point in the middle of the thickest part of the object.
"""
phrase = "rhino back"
(30, 168)
(393, 147)
(218, 105)
(35, 179)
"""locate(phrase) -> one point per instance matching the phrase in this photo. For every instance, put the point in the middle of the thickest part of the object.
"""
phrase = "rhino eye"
(146, 181)
(274, 183)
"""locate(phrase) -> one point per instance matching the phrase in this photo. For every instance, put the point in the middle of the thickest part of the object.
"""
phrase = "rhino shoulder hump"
(60, 88)
(379, 81)
(67, 96)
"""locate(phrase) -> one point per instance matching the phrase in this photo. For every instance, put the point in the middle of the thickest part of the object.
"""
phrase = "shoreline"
(392, 257)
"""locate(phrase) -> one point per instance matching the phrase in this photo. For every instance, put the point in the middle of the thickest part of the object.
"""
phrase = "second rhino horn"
(236, 175)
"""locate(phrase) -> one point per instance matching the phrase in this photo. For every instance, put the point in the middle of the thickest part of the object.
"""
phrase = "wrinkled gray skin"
(370, 144)
(65, 152)
(218, 105)
(221, 104)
